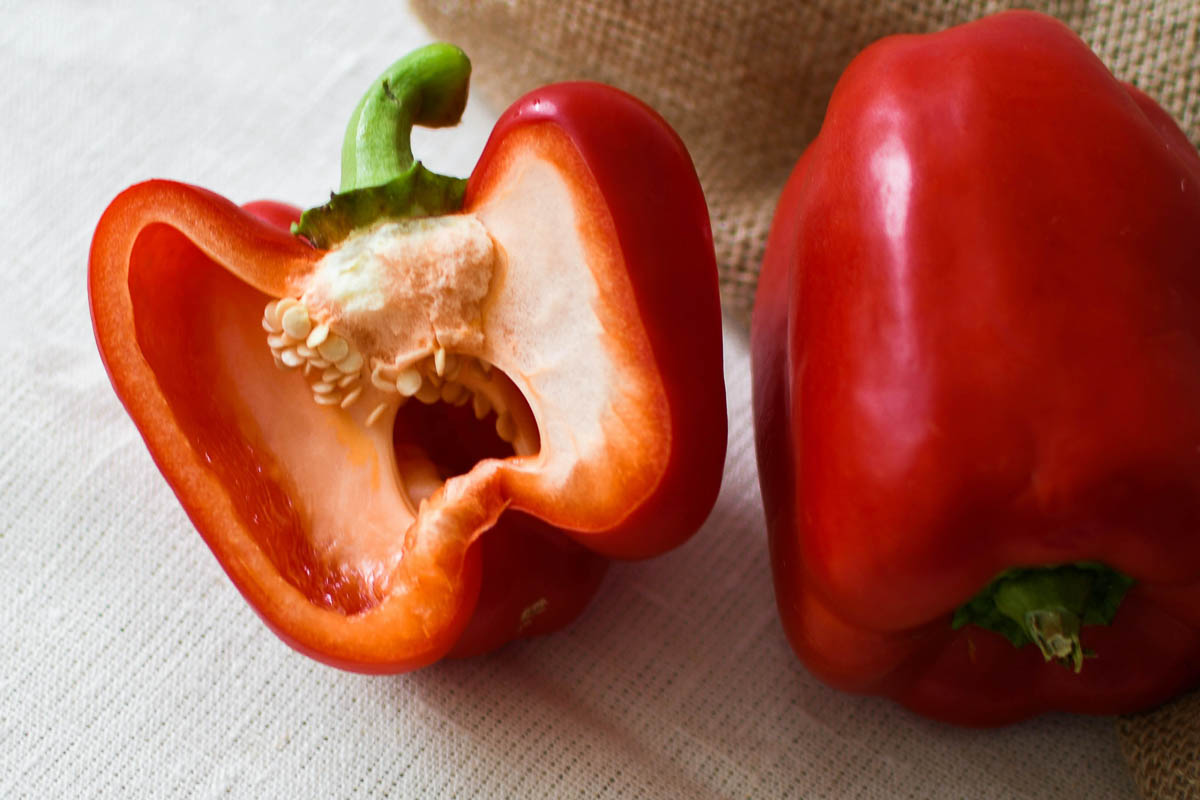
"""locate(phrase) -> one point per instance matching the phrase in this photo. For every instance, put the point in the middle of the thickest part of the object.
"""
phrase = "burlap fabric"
(1163, 749)
(746, 85)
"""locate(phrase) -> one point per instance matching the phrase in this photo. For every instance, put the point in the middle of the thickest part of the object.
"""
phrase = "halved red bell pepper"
(423, 423)
(976, 358)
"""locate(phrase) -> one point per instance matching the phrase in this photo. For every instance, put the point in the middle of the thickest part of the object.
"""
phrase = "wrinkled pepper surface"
(976, 361)
(420, 420)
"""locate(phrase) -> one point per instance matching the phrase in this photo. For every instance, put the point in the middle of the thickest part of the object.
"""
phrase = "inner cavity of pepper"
(388, 331)
(246, 422)
(401, 303)
(396, 312)
(338, 374)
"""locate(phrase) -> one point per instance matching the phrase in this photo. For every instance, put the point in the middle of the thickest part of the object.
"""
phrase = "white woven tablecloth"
(133, 669)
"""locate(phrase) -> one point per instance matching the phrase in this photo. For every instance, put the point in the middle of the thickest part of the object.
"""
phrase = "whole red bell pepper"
(976, 360)
(421, 421)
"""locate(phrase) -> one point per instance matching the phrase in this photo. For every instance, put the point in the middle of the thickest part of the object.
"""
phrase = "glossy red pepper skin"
(976, 346)
(156, 282)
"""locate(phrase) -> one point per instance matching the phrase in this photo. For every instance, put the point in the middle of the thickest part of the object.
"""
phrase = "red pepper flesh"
(976, 347)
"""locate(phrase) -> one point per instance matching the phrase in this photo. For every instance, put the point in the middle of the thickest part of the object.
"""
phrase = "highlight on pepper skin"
(420, 420)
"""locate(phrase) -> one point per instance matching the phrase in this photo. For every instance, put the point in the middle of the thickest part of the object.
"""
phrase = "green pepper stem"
(1048, 606)
(380, 178)
(427, 87)
(1056, 633)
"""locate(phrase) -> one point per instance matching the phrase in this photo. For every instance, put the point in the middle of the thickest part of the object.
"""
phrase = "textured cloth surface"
(132, 667)
(746, 83)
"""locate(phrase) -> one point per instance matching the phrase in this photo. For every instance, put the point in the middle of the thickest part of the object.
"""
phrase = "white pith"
(403, 289)
(548, 295)
(504, 315)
